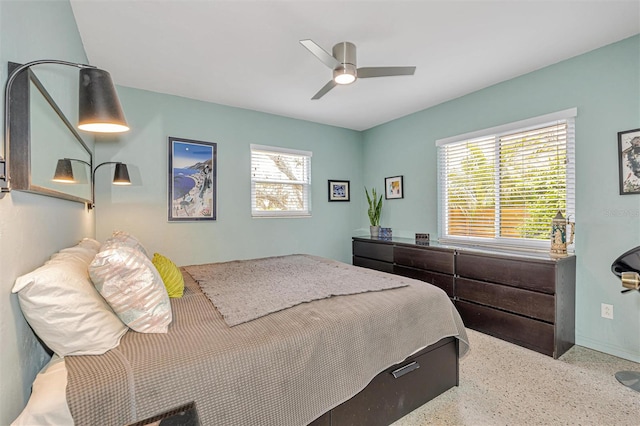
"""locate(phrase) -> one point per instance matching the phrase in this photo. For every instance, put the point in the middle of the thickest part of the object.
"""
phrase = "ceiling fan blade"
(384, 71)
(320, 53)
(330, 85)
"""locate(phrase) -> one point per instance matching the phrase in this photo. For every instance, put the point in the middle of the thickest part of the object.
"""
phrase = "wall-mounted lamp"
(64, 174)
(64, 170)
(99, 108)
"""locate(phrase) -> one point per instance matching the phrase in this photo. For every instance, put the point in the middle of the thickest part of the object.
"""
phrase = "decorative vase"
(560, 236)
(375, 230)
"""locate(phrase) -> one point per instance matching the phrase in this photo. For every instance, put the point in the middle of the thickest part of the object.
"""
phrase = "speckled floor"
(504, 384)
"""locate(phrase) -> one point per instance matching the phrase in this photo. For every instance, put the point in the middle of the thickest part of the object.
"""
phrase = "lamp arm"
(93, 181)
(77, 159)
(4, 160)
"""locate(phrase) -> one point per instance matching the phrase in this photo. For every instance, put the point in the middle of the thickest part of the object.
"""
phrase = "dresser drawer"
(429, 259)
(377, 251)
(387, 397)
(526, 332)
(372, 264)
(529, 274)
(443, 281)
(524, 302)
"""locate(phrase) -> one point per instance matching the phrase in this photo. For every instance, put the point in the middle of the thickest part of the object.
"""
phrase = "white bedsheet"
(48, 402)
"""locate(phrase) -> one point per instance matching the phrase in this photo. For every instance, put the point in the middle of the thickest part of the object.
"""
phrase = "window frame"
(497, 132)
(306, 212)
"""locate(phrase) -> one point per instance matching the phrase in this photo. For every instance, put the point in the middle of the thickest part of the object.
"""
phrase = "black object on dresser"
(527, 299)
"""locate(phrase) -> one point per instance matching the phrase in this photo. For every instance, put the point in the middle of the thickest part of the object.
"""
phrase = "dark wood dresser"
(524, 298)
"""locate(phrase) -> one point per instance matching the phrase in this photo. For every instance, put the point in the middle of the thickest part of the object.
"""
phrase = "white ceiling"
(247, 53)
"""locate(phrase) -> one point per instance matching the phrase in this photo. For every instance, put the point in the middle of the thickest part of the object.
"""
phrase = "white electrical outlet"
(606, 311)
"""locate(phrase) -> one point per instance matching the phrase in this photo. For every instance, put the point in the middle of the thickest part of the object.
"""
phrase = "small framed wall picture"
(338, 190)
(629, 161)
(394, 187)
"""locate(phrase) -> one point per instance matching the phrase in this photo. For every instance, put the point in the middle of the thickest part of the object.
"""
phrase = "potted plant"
(375, 208)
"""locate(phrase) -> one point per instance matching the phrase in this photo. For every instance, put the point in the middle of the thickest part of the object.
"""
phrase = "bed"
(367, 357)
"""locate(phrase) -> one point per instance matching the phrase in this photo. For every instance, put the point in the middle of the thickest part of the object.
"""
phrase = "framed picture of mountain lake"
(192, 180)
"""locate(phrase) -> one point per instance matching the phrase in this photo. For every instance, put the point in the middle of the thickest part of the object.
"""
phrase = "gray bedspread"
(286, 368)
(243, 290)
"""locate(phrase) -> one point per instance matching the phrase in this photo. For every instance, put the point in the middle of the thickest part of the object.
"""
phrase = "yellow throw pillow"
(170, 274)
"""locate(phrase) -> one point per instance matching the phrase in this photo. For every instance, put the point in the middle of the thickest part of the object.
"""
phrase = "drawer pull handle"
(405, 370)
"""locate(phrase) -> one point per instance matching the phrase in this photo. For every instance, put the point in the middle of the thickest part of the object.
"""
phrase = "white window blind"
(280, 182)
(503, 186)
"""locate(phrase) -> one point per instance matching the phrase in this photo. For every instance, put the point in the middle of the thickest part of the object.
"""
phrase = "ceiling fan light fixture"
(343, 64)
(345, 74)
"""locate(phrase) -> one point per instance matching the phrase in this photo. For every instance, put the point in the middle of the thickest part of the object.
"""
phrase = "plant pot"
(375, 230)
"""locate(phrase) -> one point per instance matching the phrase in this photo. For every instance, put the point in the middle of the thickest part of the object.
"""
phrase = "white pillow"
(91, 243)
(64, 309)
(121, 238)
(84, 251)
(127, 279)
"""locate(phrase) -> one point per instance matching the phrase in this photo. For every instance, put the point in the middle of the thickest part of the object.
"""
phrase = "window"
(280, 182)
(503, 186)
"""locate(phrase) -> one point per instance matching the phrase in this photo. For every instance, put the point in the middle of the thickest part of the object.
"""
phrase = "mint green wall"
(142, 208)
(603, 84)
(32, 227)
(605, 87)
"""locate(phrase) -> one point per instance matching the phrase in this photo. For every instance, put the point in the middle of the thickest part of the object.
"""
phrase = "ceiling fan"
(343, 64)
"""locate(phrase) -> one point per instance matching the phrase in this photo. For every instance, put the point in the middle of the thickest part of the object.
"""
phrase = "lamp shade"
(64, 171)
(99, 106)
(121, 175)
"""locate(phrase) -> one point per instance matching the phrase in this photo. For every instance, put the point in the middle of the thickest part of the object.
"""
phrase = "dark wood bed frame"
(400, 389)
